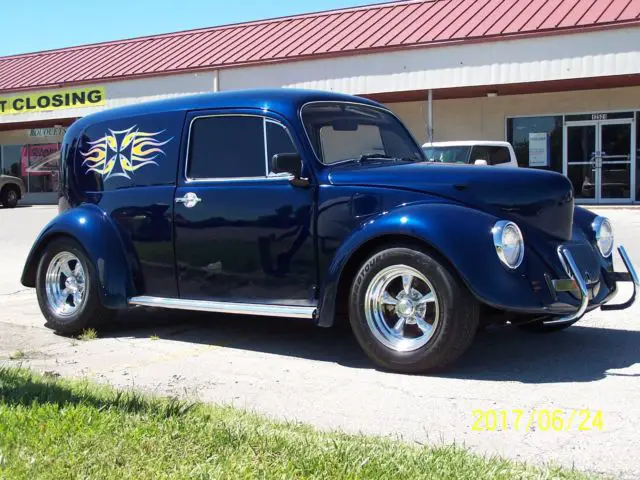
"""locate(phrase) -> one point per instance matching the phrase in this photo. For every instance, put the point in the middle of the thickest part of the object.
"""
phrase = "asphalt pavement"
(289, 369)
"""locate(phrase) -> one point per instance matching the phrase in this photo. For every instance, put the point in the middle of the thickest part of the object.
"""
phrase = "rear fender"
(115, 262)
(459, 234)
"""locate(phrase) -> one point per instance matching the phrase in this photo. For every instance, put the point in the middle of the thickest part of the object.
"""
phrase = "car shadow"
(578, 354)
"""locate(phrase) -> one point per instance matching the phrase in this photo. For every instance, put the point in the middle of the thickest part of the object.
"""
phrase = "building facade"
(560, 80)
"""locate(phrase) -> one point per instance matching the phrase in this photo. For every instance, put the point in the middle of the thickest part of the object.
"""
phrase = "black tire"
(540, 327)
(91, 312)
(457, 322)
(9, 197)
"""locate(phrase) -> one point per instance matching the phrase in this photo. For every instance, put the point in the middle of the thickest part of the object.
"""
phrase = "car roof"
(283, 100)
(467, 143)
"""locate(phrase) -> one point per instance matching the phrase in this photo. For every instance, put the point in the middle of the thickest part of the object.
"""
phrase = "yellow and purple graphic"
(120, 153)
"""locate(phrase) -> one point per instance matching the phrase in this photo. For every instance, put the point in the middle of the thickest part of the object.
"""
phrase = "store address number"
(598, 116)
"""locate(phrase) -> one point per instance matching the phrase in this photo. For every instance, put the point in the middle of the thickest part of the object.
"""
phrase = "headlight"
(509, 244)
(604, 235)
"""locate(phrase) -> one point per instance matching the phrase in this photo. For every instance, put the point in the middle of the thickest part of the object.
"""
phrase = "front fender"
(461, 235)
(114, 262)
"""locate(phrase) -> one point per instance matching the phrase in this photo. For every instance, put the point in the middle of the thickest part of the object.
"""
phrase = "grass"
(17, 355)
(52, 428)
(88, 334)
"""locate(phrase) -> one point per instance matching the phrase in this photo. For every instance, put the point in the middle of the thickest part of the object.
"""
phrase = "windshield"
(447, 154)
(341, 132)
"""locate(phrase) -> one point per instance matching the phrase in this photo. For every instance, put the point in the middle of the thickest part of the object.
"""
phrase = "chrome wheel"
(401, 308)
(65, 284)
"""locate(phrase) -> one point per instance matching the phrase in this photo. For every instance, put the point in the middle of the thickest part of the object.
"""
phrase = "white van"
(477, 152)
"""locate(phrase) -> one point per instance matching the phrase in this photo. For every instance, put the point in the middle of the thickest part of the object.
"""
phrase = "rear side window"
(227, 147)
(493, 155)
(447, 154)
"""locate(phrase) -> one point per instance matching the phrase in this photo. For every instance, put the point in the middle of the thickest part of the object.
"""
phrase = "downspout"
(216, 81)
(430, 116)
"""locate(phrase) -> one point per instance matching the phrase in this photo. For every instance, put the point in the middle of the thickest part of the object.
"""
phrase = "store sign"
(41, 161)
(56, 100)
(48, 132)
(538, 149)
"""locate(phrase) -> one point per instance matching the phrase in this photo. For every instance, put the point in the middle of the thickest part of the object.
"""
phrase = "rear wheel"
(9, 197)
(409, 312)
(67, 289)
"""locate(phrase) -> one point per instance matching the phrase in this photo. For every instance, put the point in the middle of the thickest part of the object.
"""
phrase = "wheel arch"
(368, 248)
(115, 263)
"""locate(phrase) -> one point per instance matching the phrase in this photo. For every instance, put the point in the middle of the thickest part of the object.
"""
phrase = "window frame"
(268, 176)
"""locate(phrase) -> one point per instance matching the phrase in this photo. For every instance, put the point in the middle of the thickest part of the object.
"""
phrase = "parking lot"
(291, 370)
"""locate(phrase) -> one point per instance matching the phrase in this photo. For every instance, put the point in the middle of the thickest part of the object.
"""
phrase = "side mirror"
(480, 162)
(287, 163)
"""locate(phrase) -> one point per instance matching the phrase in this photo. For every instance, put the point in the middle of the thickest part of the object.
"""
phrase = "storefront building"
(559, 80)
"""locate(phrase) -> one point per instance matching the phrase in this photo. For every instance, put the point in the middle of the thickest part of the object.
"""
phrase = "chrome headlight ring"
(509, 243)
(603, 232)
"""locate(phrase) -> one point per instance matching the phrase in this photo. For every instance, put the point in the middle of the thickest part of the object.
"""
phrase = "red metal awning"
(350, 31)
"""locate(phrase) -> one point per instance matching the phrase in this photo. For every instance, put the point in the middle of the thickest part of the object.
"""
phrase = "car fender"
(459, 234)
(114, 262)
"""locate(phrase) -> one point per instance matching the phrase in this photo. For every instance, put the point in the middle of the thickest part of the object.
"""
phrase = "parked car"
(11, 190)
(477, 152)
(312, 205)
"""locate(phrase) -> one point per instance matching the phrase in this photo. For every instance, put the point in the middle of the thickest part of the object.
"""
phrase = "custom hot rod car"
(318, 206)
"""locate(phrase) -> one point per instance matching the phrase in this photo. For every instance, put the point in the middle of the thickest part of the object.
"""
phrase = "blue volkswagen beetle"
(317, 206)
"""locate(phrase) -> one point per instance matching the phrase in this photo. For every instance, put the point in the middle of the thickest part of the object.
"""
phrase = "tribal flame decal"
(120, 153)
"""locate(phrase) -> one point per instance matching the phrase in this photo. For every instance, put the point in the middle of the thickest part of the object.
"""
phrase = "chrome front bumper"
(578, 285)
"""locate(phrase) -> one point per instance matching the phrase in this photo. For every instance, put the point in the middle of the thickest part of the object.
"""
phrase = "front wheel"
(409, 312)
(67, 289)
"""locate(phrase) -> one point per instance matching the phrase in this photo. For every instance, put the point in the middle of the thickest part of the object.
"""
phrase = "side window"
(226, 147)
(492, 155)
(278, 141)
(500, 155)
(480, 152)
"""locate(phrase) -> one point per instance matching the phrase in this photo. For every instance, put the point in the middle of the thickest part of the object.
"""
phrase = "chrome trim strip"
(582, 286)
(266, 310)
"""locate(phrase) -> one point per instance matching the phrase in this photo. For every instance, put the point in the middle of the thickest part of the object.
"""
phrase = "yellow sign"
(56, 100)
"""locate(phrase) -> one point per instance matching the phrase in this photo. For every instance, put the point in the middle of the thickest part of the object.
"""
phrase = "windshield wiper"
(374, 156)
(382, 156)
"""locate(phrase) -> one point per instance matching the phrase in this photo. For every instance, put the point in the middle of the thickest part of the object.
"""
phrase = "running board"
(266, 310)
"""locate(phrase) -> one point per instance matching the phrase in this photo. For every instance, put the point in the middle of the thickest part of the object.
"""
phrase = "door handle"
(189, 200)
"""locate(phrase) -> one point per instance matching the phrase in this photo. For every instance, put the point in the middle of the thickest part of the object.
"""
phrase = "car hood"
(540, 198)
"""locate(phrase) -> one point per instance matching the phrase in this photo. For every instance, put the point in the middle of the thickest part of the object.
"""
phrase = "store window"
(537, 141)
(37, 165)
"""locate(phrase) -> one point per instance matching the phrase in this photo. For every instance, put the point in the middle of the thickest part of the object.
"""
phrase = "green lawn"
(62, 429)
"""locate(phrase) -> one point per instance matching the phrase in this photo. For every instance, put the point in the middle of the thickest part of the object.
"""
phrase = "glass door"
(615, 163)
(600, 160)
(580, 160)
